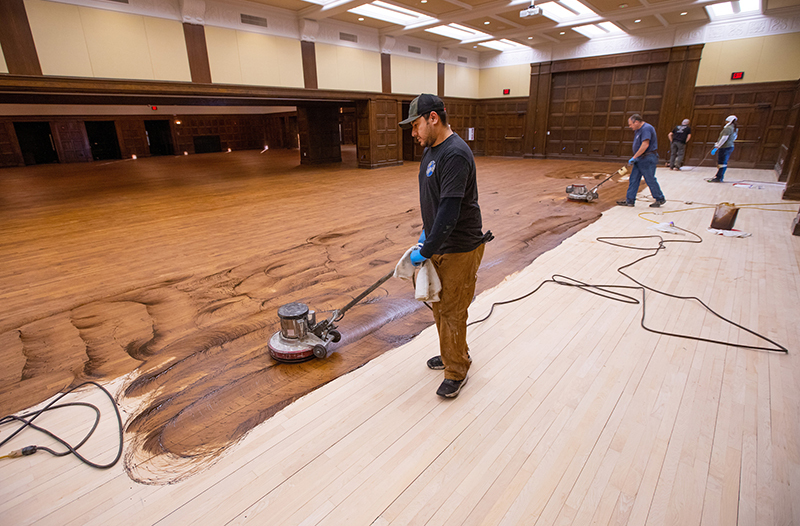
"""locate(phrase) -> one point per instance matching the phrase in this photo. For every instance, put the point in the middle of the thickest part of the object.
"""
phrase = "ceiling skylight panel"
(502, 45)
(565, 10)
(458, 32)
(603, 29)
(390, 13)
(729, 9)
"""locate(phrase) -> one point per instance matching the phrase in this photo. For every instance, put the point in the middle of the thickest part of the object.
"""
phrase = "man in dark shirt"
(678, 138)
(644, 161)
(452, 234)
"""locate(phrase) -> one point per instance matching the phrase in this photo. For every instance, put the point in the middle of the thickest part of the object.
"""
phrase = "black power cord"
(28, 418)
(607, 292)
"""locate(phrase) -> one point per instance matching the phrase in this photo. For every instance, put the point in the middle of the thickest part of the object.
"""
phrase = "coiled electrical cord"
(607, 292)
(28, 418)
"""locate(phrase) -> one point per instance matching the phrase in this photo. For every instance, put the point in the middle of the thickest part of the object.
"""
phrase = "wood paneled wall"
(589, 109)
(379, 135)
(10, 153)
(71, 141)
(762, 111)
(580, 106)
(238, 132)
(789, 157)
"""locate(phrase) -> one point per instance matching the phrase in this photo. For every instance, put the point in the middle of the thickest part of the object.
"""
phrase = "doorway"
(36, 142)
(159, 137)
(103, 140)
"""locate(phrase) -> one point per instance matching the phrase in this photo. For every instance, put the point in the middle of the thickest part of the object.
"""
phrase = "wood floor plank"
(573, 413)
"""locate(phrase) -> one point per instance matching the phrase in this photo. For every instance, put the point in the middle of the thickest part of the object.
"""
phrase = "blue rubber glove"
(632, 160)
(417, 258)
(713, 151)
(422, 237)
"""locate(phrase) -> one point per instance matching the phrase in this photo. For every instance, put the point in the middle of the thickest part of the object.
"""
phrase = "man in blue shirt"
(644, 161)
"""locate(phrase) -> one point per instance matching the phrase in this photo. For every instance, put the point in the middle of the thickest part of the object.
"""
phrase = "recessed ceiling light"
(563, 33)
(486, 23)
(684, 13)
(530, 38)
(423, 1)
(637, 20)
(361, 19)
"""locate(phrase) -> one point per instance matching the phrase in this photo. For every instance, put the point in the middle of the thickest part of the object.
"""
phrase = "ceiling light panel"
(502, 45)
(458, 32)
(390, 13)
(731, 9)
(565, 10)
(603, 29)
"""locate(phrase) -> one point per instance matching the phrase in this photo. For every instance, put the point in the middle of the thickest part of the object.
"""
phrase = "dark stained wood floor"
(172, 269)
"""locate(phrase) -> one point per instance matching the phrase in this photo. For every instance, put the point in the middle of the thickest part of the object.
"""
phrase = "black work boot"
(451, 388)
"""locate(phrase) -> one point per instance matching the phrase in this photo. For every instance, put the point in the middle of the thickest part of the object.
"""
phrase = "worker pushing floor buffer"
(578, 192)
(301, 338)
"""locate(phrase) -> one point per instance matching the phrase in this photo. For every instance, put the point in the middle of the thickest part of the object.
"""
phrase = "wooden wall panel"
(463, 114)
(71, 141)
(10, 153)
(380, 139)
(763, 112)
(505, 126)
(132, 138)
(790, 144)
(589, 109)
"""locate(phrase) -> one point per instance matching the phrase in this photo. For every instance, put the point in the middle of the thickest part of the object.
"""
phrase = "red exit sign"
(506, 91)
(737, 75)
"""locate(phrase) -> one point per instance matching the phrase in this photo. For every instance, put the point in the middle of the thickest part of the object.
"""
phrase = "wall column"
(17, 40)
(538, 108)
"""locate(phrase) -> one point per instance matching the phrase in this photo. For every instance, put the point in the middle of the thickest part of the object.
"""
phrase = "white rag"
(428, 283)
(729, 233)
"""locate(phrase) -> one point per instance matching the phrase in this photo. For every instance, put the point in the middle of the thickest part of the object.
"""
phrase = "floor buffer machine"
(301, 338)
(578, 192)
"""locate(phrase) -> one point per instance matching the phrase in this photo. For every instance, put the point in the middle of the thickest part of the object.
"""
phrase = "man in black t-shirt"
(678, 138)
(452, 236)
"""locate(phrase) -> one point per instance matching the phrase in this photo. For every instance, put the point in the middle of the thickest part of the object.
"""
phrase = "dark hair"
(442, 116)
(636, 117)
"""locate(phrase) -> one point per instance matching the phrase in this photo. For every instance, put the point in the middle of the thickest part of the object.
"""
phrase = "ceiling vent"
(253, 20)
(462, 60)
(348, 37)
(414, 49)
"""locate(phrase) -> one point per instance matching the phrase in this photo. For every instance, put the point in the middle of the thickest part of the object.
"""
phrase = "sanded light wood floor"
(573, 414)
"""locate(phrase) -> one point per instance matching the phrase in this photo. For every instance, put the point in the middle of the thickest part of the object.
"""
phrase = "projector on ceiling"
(531, 11)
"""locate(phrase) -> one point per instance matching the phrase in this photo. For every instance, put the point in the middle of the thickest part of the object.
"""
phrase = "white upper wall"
(143, 39)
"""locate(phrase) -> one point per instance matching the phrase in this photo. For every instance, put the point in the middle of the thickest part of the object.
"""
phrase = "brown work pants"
(458, 274)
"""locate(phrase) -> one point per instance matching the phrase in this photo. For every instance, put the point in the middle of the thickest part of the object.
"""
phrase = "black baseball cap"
(420, 106)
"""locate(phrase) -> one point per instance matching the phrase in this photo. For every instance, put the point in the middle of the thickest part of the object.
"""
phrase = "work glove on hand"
(417, 258)
(713, 151)
(422, 237)
(632, 160)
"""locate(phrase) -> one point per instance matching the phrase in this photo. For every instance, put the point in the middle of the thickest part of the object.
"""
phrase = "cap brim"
(406, 124)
